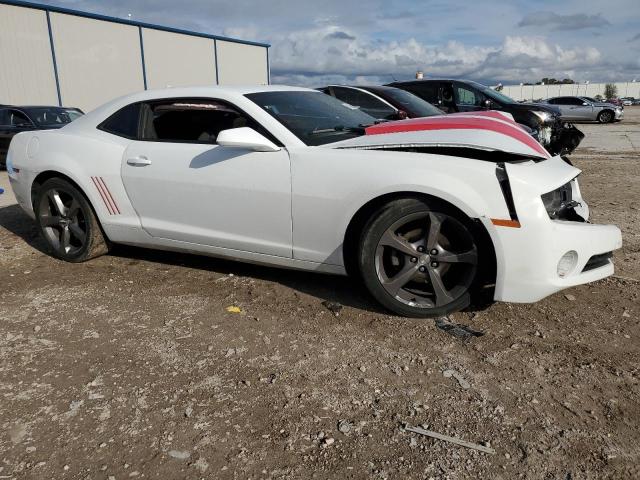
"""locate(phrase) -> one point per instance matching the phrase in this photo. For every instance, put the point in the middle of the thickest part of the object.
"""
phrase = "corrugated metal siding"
(97, 60)
(240, 64)
(177, 60)
(529, 92)
(26, 68)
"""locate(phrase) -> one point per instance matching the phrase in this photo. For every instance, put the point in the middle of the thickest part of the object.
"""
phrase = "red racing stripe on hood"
(492, 123)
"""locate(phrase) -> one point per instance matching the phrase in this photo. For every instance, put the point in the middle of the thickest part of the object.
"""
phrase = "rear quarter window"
(123, 123)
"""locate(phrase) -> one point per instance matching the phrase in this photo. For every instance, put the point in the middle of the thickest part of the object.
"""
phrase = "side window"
(466, 96)
(576, 101)
(554, 101)
(18, 119)
(356, 97)
(189, 120)
(124, 122)
(426, 91)
(367, 102)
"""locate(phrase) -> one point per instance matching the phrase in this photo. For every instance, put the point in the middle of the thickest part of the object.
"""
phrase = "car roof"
(431, 80)
(228, 93)
(212, 90)
(380, 88)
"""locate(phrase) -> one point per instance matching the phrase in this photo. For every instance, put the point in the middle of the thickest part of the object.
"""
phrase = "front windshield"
(313, 117)
(52, 116)
(495, 95)
(411, 102)
(589, 99)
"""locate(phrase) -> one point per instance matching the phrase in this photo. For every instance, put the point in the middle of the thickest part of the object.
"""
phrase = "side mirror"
(487, 104)
(585, 104)
(245, 137)
(402, 115)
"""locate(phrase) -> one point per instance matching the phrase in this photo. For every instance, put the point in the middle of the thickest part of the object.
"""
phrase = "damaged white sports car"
(425, 211)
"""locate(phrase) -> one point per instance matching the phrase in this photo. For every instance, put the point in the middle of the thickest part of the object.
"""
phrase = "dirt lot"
(130, 366)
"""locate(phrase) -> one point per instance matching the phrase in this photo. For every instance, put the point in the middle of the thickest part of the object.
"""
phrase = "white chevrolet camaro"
(426, 212)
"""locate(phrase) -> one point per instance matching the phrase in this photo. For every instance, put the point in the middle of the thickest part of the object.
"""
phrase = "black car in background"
(15, 119)
(385, 103)
(390, 103)
(557, 136)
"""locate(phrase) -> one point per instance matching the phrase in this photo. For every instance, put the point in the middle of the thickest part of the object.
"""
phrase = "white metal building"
(534, 92)
(57, 56)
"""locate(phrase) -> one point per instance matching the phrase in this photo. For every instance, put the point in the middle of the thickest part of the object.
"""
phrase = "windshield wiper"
(340, 129)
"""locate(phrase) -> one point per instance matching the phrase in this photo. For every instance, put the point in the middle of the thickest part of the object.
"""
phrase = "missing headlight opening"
(560, 205)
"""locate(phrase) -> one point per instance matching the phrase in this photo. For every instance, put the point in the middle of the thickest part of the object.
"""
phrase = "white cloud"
(313, 58)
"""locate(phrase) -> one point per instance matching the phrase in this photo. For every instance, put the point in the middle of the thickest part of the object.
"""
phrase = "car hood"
(545, 107)
(488, 131)
(51, 127)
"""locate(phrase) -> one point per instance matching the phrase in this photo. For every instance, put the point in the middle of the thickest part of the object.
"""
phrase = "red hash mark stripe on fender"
(461, 122)
(106, 196)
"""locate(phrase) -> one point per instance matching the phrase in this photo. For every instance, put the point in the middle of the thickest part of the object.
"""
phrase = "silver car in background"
(586, 109)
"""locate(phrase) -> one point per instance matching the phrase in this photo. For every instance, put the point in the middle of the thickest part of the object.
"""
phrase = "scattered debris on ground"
(333, 307)
(461, 380)
(447, 438)
(458, 330)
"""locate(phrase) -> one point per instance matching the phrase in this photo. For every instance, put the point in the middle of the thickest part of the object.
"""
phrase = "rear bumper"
(531, 256)
(21, 186)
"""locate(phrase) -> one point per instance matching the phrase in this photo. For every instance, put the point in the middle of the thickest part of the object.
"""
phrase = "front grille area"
(598, 261)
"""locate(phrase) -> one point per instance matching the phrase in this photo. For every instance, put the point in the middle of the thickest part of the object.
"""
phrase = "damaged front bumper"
(563, 138)
(545, 255)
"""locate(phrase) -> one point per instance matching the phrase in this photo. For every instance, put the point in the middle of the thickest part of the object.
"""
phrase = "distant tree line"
(552, 81)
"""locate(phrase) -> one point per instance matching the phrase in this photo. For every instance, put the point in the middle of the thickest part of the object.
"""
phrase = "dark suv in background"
(558, 137)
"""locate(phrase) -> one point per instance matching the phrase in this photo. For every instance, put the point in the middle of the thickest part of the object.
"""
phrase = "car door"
(566, 107)
(467, 98)
(187, 188)
(580, 109)
(367, 102)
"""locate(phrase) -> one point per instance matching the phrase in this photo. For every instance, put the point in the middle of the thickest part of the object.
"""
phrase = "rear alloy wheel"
(606, 116)
(418, 261)
(67, 222)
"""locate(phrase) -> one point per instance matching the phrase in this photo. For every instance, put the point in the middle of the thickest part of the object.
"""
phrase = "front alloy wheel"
(417, 261)
(605, 116)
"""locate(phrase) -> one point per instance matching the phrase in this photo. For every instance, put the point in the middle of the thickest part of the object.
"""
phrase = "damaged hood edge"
(482, 140)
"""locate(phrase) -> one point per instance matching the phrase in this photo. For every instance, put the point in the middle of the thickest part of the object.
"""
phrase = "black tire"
(433, 250)
(606, 116)
(67, 222)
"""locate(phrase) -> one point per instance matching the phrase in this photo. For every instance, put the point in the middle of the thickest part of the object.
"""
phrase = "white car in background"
(426, 212)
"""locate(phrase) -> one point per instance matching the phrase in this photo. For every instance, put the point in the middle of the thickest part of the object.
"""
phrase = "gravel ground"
(131, 365)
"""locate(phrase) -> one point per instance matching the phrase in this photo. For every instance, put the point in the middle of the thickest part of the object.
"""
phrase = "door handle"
(140, 161)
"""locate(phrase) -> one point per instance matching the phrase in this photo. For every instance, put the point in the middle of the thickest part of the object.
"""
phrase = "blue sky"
(318, 42)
